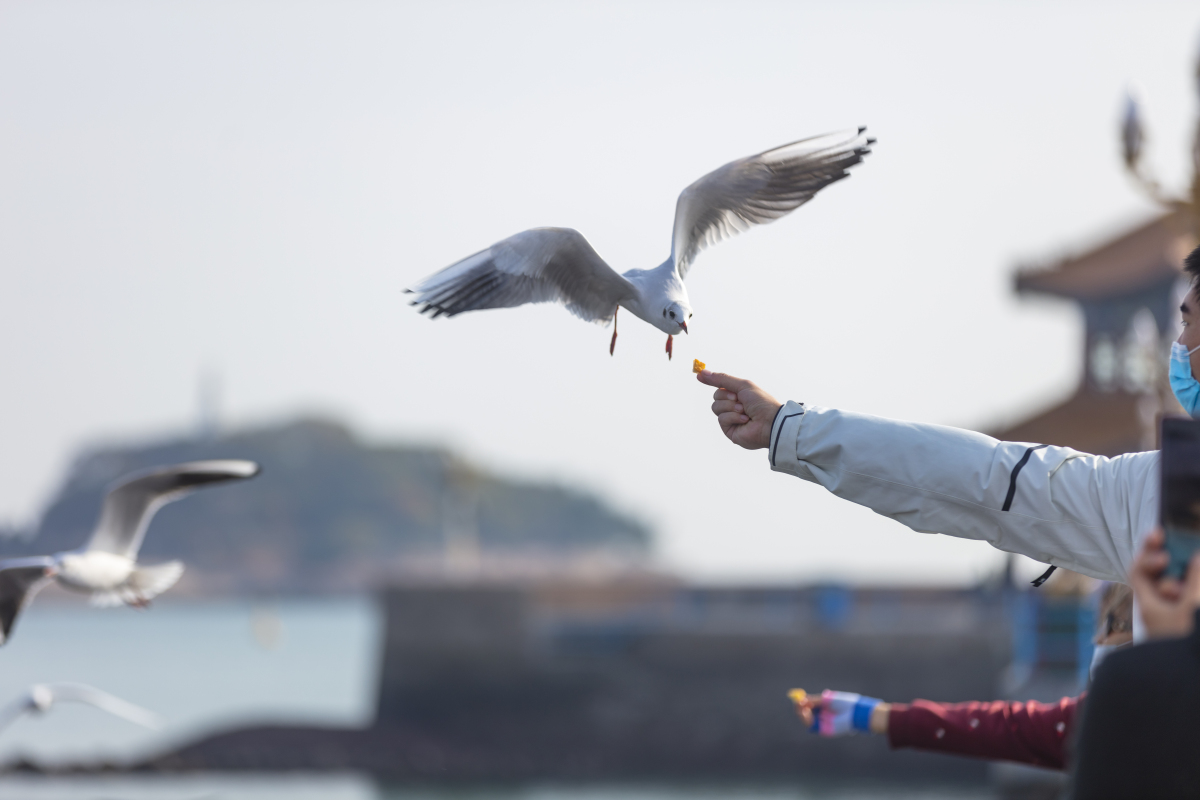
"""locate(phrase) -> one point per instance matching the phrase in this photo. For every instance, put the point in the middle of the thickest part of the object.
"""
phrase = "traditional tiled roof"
(1101, 423)
(1146, 255)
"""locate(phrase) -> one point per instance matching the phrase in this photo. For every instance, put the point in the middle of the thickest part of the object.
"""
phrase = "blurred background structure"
(1128, 291)
(520, 559)
(639, 680)
(334, 515)
(234, 196)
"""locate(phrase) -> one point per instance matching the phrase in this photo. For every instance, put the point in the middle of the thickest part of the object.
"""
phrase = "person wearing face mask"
(1184, 385)
(1054, 504)
(1006, 730)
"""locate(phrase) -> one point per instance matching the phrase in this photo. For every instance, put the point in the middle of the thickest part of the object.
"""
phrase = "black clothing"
(1139, 736)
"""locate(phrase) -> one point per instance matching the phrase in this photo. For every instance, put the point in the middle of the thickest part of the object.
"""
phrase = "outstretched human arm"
(1053, 504)
(1025, 732)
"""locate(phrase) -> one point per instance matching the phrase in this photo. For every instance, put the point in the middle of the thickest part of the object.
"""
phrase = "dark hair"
(1191, 265)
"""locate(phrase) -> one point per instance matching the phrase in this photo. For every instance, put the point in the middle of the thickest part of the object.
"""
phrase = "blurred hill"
(330, 513)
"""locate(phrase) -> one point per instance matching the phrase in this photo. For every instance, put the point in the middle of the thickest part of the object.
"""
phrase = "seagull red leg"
(613, 344)
(669, 339)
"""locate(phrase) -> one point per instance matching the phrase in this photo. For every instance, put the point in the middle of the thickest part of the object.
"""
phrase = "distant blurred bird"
(558, 265)
(107, 567)
(39, 697)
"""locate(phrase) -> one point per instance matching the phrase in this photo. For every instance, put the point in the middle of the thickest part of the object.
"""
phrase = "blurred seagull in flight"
(558, 265)
(39, 698)
(107, 566)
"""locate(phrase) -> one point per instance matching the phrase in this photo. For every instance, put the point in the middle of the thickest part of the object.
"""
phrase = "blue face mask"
(1185, 387)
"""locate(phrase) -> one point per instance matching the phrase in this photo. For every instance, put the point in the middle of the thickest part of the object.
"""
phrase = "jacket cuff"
(901, 730)
(784, 433)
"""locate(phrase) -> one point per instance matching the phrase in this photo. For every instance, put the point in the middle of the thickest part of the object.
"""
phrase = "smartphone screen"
(1180, 491)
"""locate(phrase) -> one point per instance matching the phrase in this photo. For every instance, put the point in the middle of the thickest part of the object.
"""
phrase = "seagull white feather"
(558, 265)
(107, 567)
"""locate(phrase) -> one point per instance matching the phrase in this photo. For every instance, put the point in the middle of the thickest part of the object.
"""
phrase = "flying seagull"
(558, 265)
(39, 698)
(107, 566)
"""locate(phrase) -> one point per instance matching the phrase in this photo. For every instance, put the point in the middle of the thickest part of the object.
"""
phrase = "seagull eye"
(672, 315)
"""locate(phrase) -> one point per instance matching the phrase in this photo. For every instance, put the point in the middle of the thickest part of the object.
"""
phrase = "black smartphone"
(1180, 505)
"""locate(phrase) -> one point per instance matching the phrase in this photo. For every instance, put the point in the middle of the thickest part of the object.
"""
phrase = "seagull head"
(675, 317)
(41, 697)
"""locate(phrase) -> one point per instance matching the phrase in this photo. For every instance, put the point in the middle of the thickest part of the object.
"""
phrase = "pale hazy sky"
(247, 187)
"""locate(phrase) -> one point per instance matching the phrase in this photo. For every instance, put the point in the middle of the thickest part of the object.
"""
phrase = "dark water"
(347, 787)
(199, 666)
(207, 666)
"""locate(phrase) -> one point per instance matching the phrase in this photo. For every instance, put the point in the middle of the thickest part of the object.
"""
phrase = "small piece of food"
(798, 696)
(697, 365)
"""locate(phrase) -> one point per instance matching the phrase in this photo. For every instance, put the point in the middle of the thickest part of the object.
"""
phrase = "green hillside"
(329, 512)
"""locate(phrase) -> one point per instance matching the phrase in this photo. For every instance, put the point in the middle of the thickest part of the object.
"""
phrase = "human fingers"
(723, 381)
(1144, 578)
(1155, 561)
(724, 394)
(1191, 584)
(730, 421)
(725, 406)
(1151, 559)
(1169, 589)
(1155, 541)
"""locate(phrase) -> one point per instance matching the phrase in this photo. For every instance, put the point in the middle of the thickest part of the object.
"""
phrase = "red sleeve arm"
(1028, 732)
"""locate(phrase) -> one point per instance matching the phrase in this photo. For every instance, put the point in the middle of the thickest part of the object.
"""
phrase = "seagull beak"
(683, 325)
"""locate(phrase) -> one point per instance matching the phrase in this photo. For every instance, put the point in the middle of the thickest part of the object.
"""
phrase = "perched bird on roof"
(558, 265)
(107, 568)
(40, 697)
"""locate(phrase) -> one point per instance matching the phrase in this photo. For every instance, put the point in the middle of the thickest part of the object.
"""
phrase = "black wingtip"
(437, 311)
(428, 308)
(862, 128)
(871, 140)
(408, 291)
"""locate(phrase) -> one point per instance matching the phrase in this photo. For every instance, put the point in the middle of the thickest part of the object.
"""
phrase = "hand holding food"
(839, 713)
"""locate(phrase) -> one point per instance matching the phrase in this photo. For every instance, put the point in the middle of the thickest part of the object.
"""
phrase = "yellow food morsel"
(697, 365)
(798, 696)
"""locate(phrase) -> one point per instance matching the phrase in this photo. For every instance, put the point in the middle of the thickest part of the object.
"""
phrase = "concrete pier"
(642, 680)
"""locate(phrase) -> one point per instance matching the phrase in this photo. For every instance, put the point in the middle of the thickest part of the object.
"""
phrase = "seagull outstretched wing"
(542, 265)
(130, 504)
(40, 697)
(760, 189)
(20, 579)
(82, 693)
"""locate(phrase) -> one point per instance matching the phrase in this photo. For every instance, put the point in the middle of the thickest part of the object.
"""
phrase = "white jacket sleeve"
(1054, 504)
